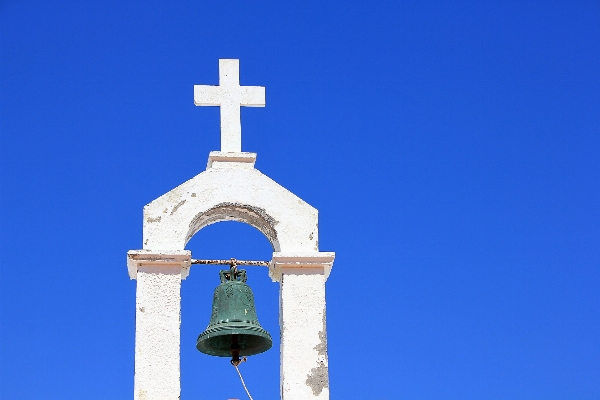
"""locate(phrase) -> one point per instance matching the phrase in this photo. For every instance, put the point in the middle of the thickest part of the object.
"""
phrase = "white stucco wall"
(231, 191)
(157, 330)
(157, 322)
(304, 366)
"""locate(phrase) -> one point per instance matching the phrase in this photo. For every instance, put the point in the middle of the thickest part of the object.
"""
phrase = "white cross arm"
(253, 96)
(206, 95)
(248, 96)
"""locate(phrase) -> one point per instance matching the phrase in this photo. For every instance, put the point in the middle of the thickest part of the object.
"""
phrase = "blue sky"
(450, 147)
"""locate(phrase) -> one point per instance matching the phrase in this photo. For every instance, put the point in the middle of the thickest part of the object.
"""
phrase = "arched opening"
(201, 373)
(254, 216)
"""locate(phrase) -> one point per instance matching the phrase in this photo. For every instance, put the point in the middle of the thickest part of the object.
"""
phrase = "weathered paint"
(304, 364)
(230, 191)
(157, 321)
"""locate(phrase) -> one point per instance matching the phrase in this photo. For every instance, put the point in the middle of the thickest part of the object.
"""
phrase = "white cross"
(230, 96)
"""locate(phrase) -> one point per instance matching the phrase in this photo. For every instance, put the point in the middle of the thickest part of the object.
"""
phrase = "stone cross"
(230, 96)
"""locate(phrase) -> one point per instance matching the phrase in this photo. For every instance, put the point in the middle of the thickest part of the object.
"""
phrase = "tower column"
(304, 365)
(157, 321)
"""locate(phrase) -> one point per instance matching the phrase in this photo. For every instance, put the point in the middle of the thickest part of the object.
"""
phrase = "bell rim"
(234, 328)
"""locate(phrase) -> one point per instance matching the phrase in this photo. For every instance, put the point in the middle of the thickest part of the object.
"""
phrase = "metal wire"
(243, 383)
(232, 261)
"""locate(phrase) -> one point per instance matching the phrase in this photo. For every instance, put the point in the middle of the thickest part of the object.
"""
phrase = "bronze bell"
(233, 330)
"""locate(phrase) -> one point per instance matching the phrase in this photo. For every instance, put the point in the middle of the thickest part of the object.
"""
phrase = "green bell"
(233, 330)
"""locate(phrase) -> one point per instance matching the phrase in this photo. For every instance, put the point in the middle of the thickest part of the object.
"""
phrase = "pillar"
(304, 365)
(157, 321)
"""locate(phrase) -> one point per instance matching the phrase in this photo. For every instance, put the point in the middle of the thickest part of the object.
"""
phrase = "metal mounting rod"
(232, 262)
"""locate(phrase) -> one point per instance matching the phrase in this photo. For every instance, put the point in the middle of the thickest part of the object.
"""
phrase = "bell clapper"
(235, 352)
(236, 360)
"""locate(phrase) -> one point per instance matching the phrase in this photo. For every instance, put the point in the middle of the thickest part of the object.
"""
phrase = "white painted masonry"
(157, 321)
(230, 189)
(304, 365)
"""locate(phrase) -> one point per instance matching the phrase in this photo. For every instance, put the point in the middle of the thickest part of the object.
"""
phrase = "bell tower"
(230, 189)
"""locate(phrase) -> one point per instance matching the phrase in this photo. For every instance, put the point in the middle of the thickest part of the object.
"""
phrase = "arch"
(231, 191)
(253, 216)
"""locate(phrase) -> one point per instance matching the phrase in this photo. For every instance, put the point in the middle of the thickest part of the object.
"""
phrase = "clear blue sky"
(451, 148)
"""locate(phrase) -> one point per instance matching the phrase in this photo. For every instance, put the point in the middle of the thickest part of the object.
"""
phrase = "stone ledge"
(166, 258)
(318, 262)
(218, 158)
